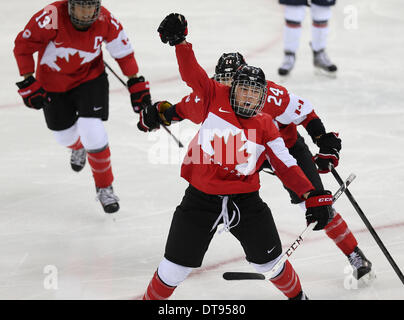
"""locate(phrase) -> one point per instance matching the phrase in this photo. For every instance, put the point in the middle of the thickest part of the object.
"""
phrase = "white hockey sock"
(319, 30)
(291, 38)
(171, 273)
(294, 15)
(92, 133)
(319, 36)
(67, 137)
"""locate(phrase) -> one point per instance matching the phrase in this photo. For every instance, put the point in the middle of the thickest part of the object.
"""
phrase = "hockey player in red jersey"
(221, 168)
(288, 111)
(70, 84)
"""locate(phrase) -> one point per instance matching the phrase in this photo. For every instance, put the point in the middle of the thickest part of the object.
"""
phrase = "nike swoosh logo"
(269, 251)
(58, 43)
(96, 109)
(221, 110)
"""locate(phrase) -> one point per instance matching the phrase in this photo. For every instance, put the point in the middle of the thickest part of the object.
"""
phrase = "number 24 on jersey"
(275, 96)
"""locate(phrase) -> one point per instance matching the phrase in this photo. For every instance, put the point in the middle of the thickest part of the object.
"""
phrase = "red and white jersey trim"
(279, 149)
(120, 47)
(296, 111)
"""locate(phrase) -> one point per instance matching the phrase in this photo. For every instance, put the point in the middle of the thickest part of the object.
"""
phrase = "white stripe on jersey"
(281, 152)
(296, 111)
(120, 47)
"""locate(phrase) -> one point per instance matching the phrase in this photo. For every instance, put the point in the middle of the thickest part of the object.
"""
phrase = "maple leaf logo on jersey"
(67, 59)
(70, 64)
(221, 143)
(229, 152)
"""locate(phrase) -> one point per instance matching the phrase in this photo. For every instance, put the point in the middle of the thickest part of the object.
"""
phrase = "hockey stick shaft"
(164, 127)
(369, 226)
(310, 227)
(115, 74)
(268, 275)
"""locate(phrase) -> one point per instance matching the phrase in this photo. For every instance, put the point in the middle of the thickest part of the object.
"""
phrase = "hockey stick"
(368, 225)
(164, 127)
(268, 275)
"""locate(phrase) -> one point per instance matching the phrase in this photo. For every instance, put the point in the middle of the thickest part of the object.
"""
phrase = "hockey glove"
(139, 93)
(152, 116)
(173, 29)
(318, 208)
(329, 145)
(32, 93)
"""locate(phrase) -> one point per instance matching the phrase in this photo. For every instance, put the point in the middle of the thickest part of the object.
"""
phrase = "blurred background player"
(224, 181)
(71, 85)
(295, 11)
(288, 110)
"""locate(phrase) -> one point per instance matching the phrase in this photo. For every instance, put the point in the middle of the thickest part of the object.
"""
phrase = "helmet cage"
(247, 97)
(96, 4)
(224, 78)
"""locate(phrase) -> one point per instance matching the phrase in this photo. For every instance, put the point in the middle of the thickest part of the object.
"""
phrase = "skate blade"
(363, 282)
(321, 72)
(367, 279)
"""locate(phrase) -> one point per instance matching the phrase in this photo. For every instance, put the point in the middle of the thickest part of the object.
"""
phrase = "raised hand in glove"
(139, 90)
(173, 29)
(330, 146)
(318, 208)
(152, 116)
(32, 93)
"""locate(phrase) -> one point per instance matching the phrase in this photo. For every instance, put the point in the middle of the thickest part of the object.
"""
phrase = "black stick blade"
(243, 276)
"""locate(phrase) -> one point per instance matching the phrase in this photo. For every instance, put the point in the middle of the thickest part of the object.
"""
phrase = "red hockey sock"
(100, 163)
(288, 281)
(339, 232)
(157, 289)
(77, 145)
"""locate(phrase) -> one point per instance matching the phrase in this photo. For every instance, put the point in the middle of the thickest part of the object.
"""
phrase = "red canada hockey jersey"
(224, 156)
(68, 57)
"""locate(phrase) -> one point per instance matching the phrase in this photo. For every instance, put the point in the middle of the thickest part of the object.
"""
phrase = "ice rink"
(55, 240)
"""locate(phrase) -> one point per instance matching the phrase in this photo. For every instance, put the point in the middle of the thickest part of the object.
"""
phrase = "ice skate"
(323, 64)
(78, 159)
(287, 64)
(362, 267)
(108, 199)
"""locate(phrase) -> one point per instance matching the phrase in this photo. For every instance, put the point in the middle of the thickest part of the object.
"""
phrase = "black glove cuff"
(176, 40)
(315, 128)
(315, 193)
(329, 141)
(26, 82)
(133, 81)
(171, 114)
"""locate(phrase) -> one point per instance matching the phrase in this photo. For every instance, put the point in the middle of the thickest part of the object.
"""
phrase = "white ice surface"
(48, 215)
